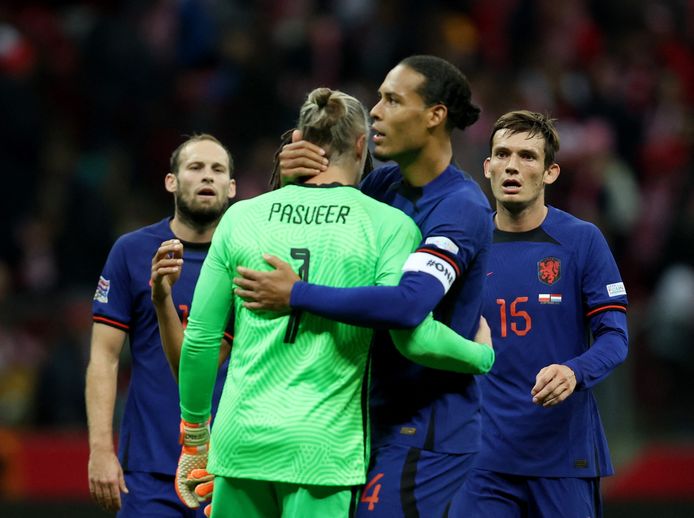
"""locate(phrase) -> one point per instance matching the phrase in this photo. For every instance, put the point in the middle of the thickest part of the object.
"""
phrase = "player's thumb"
(541, 381)
(121, 483)
(297, 135)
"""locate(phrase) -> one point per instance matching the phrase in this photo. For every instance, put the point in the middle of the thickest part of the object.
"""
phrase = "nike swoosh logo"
(490, 273)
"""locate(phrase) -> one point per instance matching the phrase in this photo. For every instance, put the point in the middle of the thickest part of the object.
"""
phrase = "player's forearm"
(170, 331)
(100, 396)
(437, 346)
(608, 350)
(392, 307)
(101, 383)
(197, 374)
(210, 308)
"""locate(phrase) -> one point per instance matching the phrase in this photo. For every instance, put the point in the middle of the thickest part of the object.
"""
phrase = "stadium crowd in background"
(94, 95)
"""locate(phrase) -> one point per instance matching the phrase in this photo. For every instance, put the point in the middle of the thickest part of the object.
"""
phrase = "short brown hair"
(174, 161)
(521, 121)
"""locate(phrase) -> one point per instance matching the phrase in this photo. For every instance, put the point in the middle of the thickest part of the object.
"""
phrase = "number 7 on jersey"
(303, 255)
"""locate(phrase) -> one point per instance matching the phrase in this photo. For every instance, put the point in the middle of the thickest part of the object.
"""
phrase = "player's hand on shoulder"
(167, 264)
(301, 158)
(106, 479)
(484, 333)
(553, 384)
(266, 290)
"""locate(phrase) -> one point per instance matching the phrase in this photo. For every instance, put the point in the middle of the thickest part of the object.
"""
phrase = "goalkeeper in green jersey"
(290, 436)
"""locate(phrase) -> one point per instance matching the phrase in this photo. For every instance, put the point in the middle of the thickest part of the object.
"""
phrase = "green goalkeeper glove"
(195, 442)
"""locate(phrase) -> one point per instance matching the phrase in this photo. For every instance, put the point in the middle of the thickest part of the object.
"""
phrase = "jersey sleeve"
(112, 302)
(605, 306)
(397, 244)
(208, 319)
(437, 346)
(387, 307)
(452, 242)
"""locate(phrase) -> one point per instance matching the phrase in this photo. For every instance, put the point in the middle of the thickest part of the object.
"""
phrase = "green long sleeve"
(437, 346)
(202, 337)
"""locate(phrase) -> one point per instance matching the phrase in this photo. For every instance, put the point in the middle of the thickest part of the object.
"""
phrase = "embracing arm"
(300, 159)
(393, 307)
(429, 272)
(434, 345)
(390, 307)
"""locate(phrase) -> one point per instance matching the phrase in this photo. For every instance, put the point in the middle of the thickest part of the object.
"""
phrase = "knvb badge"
(549, 270)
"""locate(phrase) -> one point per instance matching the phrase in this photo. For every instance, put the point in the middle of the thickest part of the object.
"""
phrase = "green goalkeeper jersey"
(294, 407)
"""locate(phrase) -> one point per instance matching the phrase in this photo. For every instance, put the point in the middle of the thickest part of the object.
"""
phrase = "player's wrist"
(194, 436)
(296, 294)
(102, 449)
(101, 441)
(160, 297)
(195, 440)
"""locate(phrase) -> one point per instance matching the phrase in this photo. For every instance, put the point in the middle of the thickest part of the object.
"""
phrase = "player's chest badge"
(549, 270)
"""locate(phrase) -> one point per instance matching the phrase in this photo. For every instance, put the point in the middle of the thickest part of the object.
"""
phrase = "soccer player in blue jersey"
(426, 422)
(200, 180)
(557, 308)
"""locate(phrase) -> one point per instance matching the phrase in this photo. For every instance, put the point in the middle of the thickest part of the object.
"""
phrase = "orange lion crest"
(549, 270)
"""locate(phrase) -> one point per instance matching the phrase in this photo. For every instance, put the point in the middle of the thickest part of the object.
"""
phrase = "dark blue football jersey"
(548, 292)
(149, 431)
(413, 405)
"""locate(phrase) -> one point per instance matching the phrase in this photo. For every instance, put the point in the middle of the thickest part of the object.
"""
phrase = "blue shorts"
(153, 494)
(406, 482)
(487, 493)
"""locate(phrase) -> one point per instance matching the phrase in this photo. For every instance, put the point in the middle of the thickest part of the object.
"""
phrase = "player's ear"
(551, 174)
(437, 115)
(485, 166)
(171, 182)
(232, 189)
(361, 146)
(362, 153)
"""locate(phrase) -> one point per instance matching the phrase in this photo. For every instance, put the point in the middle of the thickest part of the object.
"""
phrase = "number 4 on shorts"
(375, 488)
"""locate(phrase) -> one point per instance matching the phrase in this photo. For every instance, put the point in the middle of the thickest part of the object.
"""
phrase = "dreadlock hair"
(445, 84)
(275, 181)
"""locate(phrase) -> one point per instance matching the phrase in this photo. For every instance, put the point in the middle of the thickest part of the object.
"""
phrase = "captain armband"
(434, 263)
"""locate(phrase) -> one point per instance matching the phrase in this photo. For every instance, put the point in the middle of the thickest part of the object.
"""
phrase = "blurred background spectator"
(95, 94)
